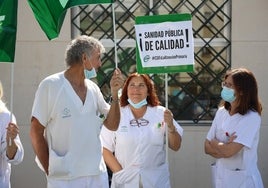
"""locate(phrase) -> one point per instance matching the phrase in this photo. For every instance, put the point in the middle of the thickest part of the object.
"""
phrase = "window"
(193, 96)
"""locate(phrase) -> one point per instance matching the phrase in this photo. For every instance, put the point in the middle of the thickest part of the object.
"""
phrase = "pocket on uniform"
(163, 178)
(157, 177)
(157, 137)
(119, 178)
(235, 178)
(58, 165)
(99, 122)
(213, 169)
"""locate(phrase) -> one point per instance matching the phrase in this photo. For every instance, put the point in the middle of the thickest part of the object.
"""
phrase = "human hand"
(214, 143)
(125, 175)
(116, 83)
(231, 137)
(12, 132)
(168, 119)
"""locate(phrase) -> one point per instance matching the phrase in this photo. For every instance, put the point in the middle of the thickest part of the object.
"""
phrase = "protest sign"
(164, 43)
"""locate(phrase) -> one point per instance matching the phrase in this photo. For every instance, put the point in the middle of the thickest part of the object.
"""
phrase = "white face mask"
(90, 73)
(139, 104)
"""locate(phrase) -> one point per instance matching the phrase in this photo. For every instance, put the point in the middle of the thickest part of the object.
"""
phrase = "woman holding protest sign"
(139, 158)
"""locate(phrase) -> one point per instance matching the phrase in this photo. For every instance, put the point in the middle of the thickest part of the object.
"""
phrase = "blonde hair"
(2, 104)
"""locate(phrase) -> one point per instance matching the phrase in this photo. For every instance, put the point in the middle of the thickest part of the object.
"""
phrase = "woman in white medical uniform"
(234, 135)
(138, 145)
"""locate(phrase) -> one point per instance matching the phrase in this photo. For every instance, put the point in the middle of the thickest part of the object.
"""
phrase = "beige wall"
(250, 49)
(36, 57)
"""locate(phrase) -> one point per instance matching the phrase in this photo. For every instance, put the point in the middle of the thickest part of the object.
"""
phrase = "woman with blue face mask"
(234, 135)
(136, 152)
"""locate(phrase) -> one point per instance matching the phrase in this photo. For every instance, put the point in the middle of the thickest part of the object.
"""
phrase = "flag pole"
(74, 31)
(115, 46)
(166, 104)
(115, 39)
(11, 96)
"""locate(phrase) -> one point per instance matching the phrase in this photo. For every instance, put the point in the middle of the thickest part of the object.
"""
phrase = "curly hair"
(82, 44)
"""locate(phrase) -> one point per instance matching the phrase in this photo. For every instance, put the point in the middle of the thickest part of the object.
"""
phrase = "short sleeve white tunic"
(141, 149)
(5, 163)
(241, 169)
(72, 128)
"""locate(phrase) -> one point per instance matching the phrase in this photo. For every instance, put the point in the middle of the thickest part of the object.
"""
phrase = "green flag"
(8, 29)
(50, 14)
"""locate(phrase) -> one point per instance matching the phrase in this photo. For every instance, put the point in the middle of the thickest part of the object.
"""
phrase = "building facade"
(37, 57)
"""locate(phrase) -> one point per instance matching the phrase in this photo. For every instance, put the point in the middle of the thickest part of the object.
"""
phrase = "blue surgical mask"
(90, 73)
(227, 94)
(139, 104)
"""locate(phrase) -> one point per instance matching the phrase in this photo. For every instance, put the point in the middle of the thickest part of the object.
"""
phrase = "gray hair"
(79, 46)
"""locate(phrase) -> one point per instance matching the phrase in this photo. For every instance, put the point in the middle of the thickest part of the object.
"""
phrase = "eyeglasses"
(139, 122)
(224, 84)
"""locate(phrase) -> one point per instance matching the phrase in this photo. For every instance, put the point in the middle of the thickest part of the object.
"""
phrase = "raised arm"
(14, 151)
(174, 138)
(113, 118)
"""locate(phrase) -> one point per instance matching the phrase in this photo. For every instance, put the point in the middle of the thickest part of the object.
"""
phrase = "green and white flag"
(50, 14)
(8, 29)
(164, 43)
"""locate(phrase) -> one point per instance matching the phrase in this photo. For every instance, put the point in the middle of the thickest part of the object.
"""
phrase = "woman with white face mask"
(138, 145)
(234, 135)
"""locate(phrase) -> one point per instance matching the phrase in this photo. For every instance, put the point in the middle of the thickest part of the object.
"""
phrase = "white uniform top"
(140, 149)
(241, 169)
(72, 128)
(5, 163)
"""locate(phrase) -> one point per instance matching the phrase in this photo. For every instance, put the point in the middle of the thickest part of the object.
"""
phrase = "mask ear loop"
(84, 59)
(88, 59)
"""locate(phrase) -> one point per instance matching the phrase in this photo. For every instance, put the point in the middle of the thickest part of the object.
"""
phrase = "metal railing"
(193, 96)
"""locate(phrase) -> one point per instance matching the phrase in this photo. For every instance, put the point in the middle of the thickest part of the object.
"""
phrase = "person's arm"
(174, 138)
(209, 150)
(12, 147)
(39, 143)
(111, 161)
(113, 118)
(221, 150)
(11, 150)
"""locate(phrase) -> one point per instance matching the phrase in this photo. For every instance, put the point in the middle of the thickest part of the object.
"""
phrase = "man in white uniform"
(66, 123)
